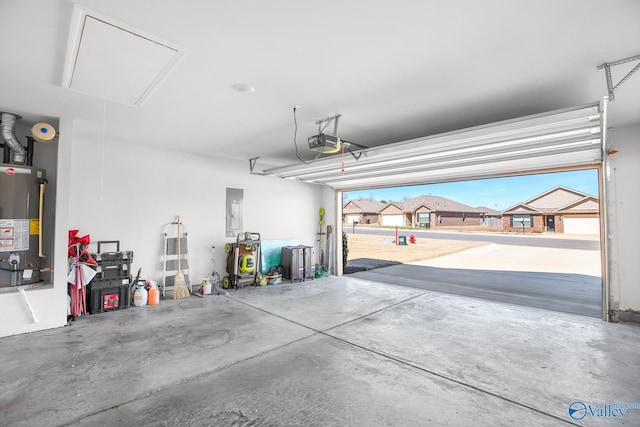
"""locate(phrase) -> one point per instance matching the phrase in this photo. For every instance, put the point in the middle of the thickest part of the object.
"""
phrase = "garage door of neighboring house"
(352, 218)
(392, 220)
(581, 225)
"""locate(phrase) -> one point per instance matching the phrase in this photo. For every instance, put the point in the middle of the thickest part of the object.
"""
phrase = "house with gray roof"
(362, 212)
(559, 210)
(432, 212)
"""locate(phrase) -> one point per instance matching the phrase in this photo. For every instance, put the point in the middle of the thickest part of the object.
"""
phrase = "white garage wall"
(623, 220)
(136, 190)
(125, 192)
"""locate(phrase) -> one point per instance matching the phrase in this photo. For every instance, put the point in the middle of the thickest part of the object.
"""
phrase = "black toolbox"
(110, 288)
(113, 264)
(107, 295)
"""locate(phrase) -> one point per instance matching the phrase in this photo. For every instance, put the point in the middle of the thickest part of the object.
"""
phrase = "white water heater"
(22, 190)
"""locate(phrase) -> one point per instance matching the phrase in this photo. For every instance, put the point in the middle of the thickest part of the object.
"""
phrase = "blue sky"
(494, 193)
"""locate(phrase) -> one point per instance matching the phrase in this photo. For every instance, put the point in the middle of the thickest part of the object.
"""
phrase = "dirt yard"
(383, 248)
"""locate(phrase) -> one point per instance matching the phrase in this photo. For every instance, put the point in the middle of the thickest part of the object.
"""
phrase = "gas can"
(140, 296)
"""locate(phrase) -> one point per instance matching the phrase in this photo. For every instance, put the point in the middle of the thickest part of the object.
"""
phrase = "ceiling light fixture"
(243, 88)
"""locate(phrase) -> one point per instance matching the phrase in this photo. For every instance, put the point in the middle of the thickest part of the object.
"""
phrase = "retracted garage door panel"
(562, 138)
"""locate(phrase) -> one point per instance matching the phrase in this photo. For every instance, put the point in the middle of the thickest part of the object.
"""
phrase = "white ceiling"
(394, 70)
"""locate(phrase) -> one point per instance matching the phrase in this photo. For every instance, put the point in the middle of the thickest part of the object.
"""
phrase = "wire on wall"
(104, 128)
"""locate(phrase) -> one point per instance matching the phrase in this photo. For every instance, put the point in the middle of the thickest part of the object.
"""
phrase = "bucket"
(274, 279)
(205, 287)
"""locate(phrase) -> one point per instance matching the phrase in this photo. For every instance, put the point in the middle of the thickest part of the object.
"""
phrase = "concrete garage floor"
(338, 351)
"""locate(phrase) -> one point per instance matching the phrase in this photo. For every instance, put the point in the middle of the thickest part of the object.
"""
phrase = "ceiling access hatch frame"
(113, 61)
(561, 138)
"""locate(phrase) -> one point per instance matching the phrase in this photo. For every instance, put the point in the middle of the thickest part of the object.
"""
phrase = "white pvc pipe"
(26, 300)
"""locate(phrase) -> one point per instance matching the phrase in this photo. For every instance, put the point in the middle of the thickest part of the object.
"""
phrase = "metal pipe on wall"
(7, 130)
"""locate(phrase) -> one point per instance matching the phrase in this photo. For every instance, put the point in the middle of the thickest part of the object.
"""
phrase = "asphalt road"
(513, 240)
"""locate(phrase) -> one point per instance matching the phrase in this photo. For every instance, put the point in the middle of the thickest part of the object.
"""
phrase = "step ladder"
(170, 257)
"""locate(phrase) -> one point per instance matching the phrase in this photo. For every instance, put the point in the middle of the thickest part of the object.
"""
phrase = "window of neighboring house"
(521, 220)
(424, 217)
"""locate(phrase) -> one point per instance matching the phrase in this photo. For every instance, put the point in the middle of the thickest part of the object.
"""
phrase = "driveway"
(522, 258)
(560, 279)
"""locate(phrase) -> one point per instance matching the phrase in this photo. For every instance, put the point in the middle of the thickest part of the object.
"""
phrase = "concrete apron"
(566, 280)
(335, 351)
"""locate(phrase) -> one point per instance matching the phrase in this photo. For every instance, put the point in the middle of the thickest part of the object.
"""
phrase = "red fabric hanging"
(79, 255)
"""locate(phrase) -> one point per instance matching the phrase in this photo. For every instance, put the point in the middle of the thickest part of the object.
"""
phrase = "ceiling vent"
(113, 61)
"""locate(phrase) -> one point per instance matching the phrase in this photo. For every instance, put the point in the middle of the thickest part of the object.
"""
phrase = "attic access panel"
(112, 61)
(561, 138)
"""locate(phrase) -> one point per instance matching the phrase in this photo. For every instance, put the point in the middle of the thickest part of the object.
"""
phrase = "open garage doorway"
(526, 239)
(562, 140)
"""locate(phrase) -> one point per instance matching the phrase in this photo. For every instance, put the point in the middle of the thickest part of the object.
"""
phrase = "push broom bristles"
(180, 289)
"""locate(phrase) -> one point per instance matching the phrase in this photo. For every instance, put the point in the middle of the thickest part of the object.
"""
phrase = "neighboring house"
(432, 212)
(560, 210)
(362, 211)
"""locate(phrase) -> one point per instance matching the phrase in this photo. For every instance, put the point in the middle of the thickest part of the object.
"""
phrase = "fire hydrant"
(412, 239)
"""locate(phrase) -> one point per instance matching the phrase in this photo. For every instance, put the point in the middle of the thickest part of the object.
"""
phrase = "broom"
(180, 289)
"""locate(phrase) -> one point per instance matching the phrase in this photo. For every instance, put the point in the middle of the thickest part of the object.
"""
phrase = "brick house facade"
(433, 212)
(362, 211)
(536, 227)
(559, 210)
